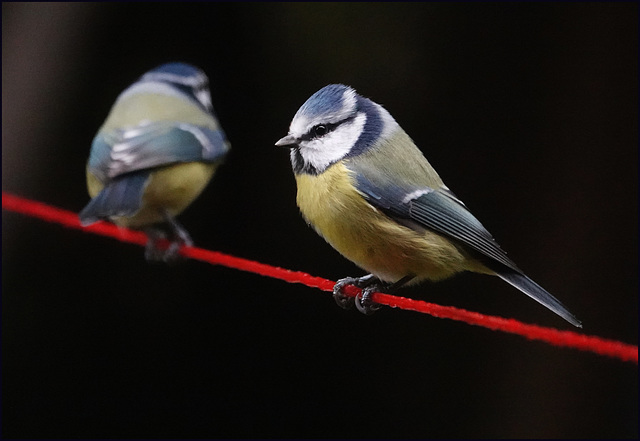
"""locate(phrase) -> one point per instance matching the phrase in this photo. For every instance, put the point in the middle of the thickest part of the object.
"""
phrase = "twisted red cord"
(569, 339)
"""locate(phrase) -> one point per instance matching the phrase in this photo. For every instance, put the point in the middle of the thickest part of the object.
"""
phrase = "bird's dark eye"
(320, 130)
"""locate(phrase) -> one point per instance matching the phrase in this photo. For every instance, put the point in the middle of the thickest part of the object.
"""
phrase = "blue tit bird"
(366, 188)
(157, 150)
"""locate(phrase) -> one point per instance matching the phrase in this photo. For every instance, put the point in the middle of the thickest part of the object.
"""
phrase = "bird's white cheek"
(322, 152)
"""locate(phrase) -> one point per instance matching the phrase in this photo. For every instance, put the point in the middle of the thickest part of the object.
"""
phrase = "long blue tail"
(537, 293)
(121, 197)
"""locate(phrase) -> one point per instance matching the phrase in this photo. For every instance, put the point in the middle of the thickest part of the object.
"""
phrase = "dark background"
(529, 111)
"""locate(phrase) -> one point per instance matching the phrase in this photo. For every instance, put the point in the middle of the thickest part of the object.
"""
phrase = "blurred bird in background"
(157, 150)
(368, 190)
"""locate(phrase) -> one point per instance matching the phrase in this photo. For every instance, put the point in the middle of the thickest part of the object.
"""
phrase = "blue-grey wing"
(435, 209)
(440, 211)
(120, 151)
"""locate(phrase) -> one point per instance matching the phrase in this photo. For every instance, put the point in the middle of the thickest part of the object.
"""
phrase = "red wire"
(569, 339)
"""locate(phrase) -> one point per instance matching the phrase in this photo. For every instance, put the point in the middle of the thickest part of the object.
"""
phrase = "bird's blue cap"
(177, 68)
(329, 99)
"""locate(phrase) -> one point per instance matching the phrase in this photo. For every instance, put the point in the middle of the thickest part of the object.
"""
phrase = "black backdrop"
(528, 111)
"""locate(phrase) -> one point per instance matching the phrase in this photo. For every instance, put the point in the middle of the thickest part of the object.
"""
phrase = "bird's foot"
(153, 251)
(345, 301)
(364, 302)
(157, 249)
(172, 253)
(369, 284)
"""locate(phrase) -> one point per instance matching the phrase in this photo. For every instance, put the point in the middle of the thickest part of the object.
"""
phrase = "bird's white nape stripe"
(346, 110)
(324, 151)
(203, 96)
(349, 100)
(389, 124)
(192, 81)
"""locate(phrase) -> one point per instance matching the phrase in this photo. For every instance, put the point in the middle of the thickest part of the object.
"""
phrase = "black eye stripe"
(320, 130)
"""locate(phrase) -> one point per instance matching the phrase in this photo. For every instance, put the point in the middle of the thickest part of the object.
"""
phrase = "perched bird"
(366, 188)
(157, 150)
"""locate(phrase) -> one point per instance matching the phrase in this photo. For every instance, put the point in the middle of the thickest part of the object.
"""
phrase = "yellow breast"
(369, 238)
